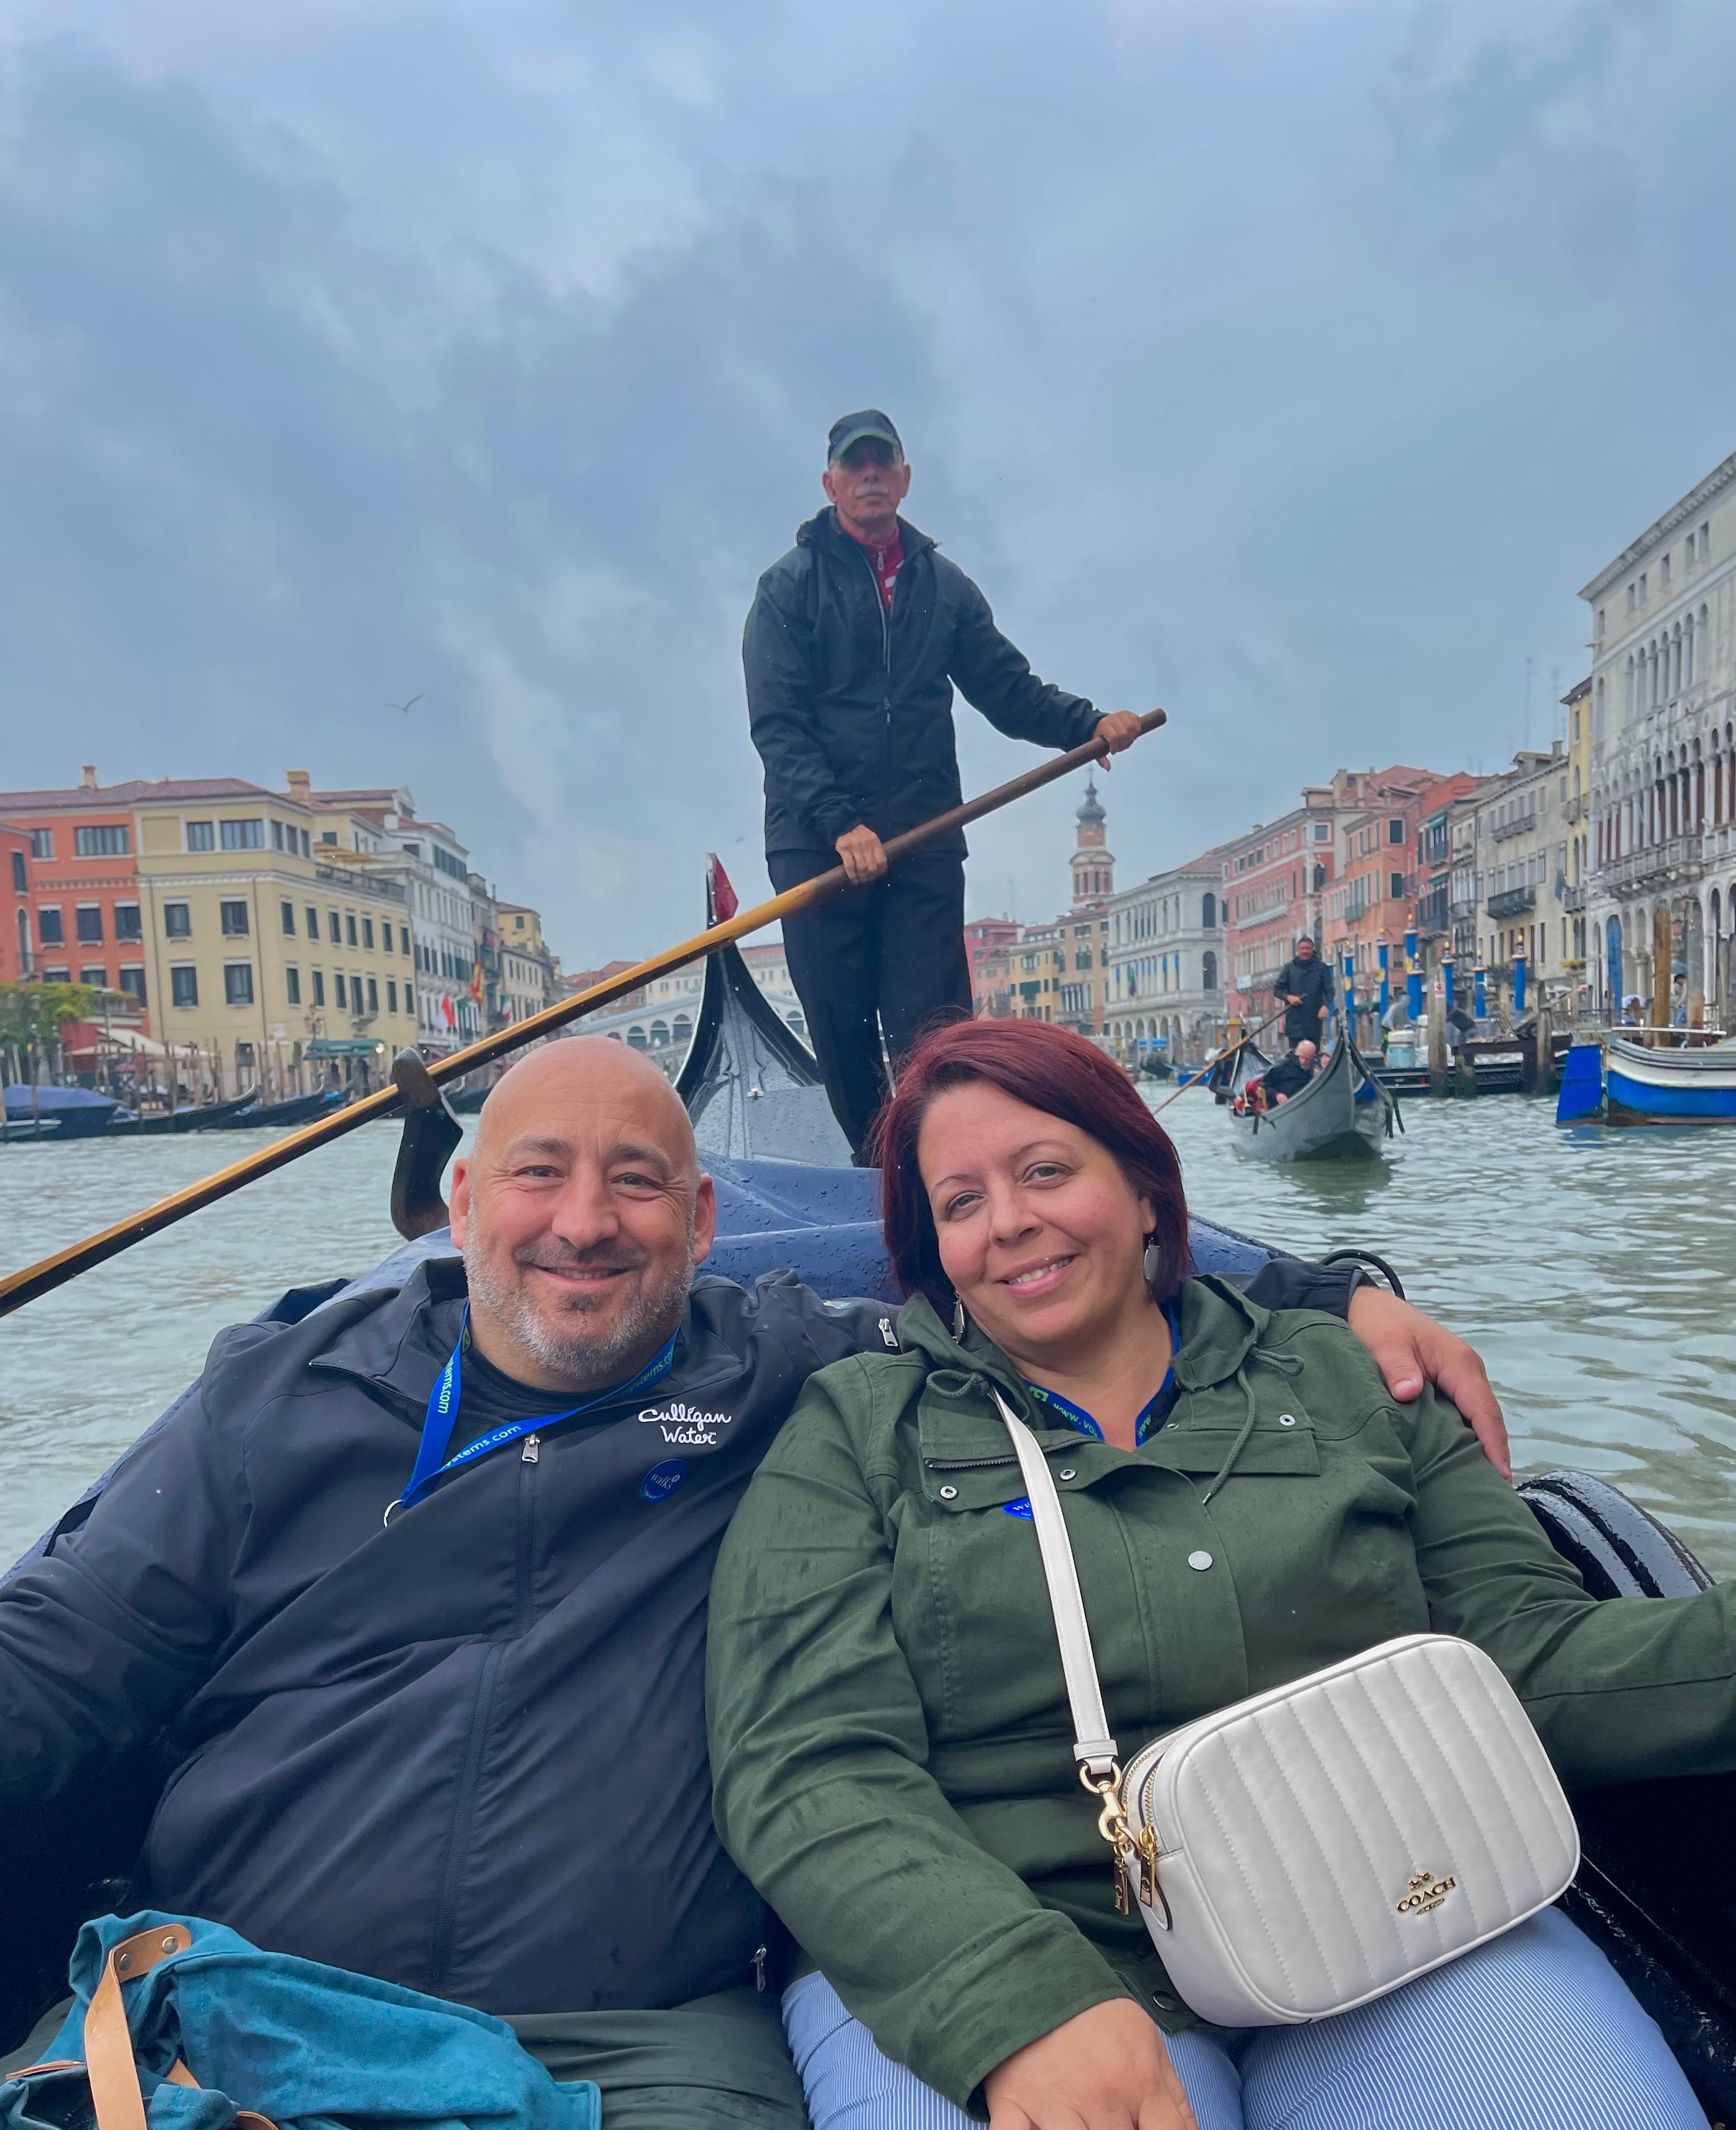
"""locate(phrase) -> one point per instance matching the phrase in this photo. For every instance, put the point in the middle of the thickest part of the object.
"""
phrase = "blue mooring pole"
(1413, 973)
(1383, 956)
(1518, 979)
(1479, 1001)
(1447, 976)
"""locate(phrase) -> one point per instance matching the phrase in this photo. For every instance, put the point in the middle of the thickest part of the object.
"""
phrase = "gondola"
(255, 1115)
(76, 1112)
(190, 1116)
(1658, 1887)
(1343, 1111)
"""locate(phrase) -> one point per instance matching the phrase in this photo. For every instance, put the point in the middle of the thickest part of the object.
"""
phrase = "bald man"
(408, 1599)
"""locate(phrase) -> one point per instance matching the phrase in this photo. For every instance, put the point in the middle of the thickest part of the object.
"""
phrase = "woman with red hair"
(1246, 1502)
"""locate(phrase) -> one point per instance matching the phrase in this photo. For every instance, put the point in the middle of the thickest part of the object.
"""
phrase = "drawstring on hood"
(1286, 1365)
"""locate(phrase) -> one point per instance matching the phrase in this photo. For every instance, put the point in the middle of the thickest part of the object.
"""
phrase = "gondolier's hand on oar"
(1410, 1349)
(864, 855)
(1118, 731)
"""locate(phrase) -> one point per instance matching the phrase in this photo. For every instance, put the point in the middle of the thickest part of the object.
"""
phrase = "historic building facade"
(1167, 960)
(1663, 761)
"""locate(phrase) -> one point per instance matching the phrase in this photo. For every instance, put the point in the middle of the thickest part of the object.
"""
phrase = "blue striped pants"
(1535, 2029)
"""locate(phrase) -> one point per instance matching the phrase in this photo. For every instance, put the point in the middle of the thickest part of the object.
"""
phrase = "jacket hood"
(1219, 1328)
(822, 529)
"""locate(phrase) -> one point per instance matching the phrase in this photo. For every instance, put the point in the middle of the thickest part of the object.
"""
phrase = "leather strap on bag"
(114, 2076)
(109, 2066)
(1093, 1747)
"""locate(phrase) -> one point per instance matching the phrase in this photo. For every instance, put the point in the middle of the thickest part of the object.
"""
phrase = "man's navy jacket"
(851, 708)
(466, 1752)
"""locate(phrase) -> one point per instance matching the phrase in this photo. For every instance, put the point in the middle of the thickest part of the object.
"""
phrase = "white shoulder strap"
(1093, 1747)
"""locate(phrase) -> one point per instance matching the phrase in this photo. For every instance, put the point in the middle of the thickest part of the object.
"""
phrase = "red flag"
(446, 1008)
(719, 893)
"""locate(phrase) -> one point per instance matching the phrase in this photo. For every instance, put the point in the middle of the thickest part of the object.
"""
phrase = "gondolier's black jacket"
(464, 1752)
(852, 709)
(1311, 981)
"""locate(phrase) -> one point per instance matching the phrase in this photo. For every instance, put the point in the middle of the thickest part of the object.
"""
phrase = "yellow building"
(270, 965)
(528, 973)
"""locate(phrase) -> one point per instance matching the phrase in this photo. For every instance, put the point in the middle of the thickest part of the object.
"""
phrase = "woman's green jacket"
(891, 1742)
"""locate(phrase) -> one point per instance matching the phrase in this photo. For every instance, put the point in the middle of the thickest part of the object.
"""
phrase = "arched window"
(1208, 912)
(1208, 970)
(636, 1038)
(659, 1033)
(683, 1029)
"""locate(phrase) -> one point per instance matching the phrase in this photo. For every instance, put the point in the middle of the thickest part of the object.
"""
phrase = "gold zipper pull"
(1147, 1844)
(1122, 1889)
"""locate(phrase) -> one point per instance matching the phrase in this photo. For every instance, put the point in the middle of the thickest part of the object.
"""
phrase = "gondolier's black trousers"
(868, 961)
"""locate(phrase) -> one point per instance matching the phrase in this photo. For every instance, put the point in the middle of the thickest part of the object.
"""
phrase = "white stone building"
(1663, 761)
(1165, 949)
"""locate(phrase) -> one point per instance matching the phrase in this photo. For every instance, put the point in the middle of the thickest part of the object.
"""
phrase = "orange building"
(83, 874)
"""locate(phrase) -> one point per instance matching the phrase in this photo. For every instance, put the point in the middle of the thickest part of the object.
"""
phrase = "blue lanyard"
(431, 1462)
(1081, 1422)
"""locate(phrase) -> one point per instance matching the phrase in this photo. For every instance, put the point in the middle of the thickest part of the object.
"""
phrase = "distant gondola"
(1658, 1885)
(190, 1116)
(267, 1116)
(1343, 1111)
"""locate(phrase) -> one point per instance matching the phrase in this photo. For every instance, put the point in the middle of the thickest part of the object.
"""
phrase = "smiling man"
(408, 1601)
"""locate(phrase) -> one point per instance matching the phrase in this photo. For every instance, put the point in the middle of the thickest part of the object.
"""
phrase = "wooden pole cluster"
(52, 1271)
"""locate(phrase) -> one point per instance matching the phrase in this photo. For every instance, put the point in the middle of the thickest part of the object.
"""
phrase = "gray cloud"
(1289, 366)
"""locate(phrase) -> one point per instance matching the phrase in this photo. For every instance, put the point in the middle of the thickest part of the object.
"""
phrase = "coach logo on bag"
(1426, 1894)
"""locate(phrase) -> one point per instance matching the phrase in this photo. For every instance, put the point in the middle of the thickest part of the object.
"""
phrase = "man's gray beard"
(652, 1317)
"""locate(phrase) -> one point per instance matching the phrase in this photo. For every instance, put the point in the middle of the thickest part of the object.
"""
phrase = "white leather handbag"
(1302, 1851)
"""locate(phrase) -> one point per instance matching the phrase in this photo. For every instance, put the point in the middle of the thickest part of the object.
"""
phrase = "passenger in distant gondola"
(1303, 991)
(1290, 1075)
(854, 644)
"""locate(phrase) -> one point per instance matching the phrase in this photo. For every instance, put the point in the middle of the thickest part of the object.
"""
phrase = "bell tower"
(1094, 864)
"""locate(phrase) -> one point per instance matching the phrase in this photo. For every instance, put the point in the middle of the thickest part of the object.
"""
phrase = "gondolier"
(1304, 990)
(854, 644)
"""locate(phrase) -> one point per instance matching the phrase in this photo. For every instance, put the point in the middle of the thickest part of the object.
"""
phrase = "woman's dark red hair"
(1051, 1070)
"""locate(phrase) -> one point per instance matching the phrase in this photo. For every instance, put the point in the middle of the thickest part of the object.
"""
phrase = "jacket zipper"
(966, 1464)
(880, 608)
(481, 1716)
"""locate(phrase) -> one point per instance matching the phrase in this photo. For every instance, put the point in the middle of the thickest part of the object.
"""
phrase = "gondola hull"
(1343, 1114)
(1645, 1086)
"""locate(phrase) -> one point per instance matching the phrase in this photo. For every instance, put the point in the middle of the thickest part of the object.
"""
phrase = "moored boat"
(190, 1116)
(1643, 1086)
(266, 1116)
(76, 1112)
(1343, 1113)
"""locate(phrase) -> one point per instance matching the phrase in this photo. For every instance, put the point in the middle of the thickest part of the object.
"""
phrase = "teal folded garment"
(314, 2047)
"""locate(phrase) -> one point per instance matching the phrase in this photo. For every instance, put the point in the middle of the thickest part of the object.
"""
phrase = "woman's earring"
(958, 1319)
(1153, 1260)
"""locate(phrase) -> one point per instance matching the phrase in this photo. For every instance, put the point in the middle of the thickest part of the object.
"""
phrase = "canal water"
(1595, 1270)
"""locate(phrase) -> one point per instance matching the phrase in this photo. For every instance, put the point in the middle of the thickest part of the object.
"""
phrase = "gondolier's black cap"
(850, 429)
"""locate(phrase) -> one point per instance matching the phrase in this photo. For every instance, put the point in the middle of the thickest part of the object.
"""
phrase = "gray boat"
(1343, 1113)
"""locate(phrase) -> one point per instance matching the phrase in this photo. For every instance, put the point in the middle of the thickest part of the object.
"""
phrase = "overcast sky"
(1291, 365)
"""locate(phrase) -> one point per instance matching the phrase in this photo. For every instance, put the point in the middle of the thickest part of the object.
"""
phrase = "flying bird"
(402, 706)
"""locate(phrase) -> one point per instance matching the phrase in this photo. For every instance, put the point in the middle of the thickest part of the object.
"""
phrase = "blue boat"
(1625, 1083)
(77, 1113)
(1645, 1086)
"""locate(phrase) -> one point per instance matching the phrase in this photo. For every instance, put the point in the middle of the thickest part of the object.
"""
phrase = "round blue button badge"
(661, 1481)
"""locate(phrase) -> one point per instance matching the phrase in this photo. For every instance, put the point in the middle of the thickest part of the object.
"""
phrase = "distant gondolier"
(855, 642)
(1303, 991)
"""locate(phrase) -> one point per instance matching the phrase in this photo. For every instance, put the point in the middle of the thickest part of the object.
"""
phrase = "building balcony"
(1463, 907)
(1515, 902)
(1573, 899)
(1655, 866)
(1576, 809)
(1505, 830)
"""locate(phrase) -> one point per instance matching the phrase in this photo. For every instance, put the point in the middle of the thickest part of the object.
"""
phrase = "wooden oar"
(53, 1272)
(1200, 1079)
